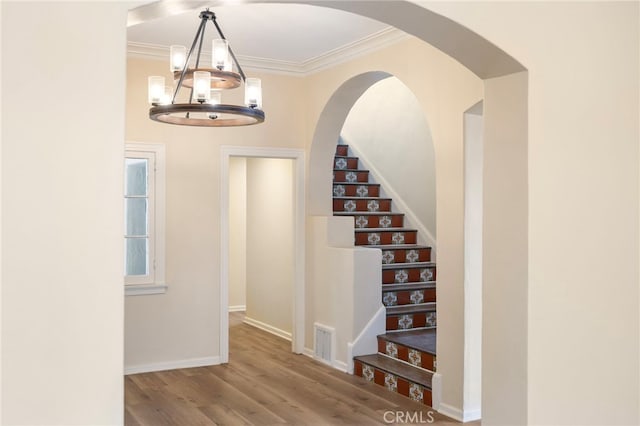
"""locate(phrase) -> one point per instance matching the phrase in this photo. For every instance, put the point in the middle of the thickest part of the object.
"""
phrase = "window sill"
(144, 289)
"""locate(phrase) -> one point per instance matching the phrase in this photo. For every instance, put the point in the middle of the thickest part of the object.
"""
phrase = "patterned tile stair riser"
(394, 383)
(412, 356)
(408, 283)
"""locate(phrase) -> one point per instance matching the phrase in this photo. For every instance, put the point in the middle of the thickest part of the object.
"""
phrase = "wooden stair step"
(409, 286)
(373, 236)
(414, 295)
(356, 190)
(396, 376)
(340, 176)
(421, 340)
(409, 317)
(411, 309)
(392, 266)
(361, 204)
(345, 163)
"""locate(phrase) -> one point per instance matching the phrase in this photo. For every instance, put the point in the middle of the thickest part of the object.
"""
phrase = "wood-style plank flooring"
(265, 384)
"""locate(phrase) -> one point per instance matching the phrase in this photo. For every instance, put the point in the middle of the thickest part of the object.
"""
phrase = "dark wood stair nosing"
(422, 285)
(386, 266)
(393, 338)
(407, 363)
(402, 370)
(414, 308)
(361, 198)
(365, 230)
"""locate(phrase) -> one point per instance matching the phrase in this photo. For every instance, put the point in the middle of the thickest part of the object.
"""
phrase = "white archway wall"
(582, 129)
(389, 131)
(444, 90)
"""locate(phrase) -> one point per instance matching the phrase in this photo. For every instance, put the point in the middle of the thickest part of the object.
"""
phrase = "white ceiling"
(292, 33)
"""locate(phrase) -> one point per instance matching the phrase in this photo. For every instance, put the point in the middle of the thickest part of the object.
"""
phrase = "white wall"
(445, 90)
(270, 242)
(237, 233)
(582, 206)
(388, 129)
(62, 165)
(473, 170)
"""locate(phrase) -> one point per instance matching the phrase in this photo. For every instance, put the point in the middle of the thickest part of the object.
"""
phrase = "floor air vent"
(323, 344)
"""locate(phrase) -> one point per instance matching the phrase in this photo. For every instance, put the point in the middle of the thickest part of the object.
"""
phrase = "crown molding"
(347, 52)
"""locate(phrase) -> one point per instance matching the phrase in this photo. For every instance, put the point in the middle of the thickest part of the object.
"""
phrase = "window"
(144, 219)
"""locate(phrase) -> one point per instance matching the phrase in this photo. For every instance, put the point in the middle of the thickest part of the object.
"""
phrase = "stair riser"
(340, 190)
(406, 256)
(408, 275)
(394, 383)
(407, 297)
(375, 221)
(412, 356)
(345, 163)
(342, 150)
(384, 238)
(410, 321)
(344, 176)
(361, 205)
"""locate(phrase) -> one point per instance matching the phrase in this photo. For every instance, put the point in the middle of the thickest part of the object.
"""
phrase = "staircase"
(406, 358)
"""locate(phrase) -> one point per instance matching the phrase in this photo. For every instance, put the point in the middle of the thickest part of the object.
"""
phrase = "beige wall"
(444, 90)
(270, 237)
(583, 201)
(182, 325)
(582, 213)
(237, 232)
(62, 150)
(388, 128)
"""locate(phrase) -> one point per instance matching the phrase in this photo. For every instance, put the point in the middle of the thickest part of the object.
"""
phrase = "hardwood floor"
(264, 384)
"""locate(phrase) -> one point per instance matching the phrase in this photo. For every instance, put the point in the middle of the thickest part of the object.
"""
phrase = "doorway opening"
(262, 244)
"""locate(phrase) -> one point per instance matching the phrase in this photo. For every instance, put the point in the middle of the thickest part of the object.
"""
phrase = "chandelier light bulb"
(178, 55)
(201, 86)
(155, 89)
(253, 93)
(220, 53)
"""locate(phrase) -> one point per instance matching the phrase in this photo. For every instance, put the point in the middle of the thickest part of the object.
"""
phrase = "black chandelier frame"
(216, 115)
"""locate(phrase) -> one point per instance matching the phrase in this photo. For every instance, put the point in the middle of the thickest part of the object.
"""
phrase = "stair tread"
(385, 230)
(408, 265)
(400, 246)
(422, 340)
(411, 309)
(356, 213)
(398, 368)
(351, 170)
(357, 183)
(408, 286)
(361, 198)
(345, 156)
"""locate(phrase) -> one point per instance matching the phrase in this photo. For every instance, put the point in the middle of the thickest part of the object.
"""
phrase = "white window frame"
(154, 282)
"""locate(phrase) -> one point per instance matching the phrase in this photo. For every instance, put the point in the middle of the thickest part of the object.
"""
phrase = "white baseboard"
(172, 365)
(458, 414)
(339, 365)
(450, 411)
(268, 328)
(436, 390)
(237, 308)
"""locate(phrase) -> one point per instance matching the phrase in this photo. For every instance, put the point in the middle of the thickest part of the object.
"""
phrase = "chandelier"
(205, 85)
